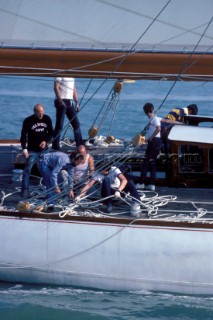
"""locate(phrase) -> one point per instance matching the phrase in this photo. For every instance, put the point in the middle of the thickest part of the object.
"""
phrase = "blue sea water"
(18, 95)
(20, 302)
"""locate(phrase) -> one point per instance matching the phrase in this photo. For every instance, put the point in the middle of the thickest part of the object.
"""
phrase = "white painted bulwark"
(107, 256)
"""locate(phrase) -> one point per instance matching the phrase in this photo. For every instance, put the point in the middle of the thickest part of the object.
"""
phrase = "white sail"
(107, 24)
(107, 38)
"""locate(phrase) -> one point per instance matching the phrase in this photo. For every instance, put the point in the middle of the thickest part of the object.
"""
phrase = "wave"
(21, 300)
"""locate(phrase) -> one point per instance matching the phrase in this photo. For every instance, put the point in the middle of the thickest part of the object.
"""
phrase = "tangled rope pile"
(150, 206)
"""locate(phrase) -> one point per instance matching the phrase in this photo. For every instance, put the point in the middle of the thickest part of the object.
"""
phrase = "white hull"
(106, 255)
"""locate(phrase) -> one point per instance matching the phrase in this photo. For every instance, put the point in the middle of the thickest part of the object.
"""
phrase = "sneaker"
(135, 210)
(109, 208)
(151, 187)
(50, 207)
(140, 186)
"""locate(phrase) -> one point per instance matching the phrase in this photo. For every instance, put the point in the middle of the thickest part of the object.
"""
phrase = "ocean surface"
(125, 119)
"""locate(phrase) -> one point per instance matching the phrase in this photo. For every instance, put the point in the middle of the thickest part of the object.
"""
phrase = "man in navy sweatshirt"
(37, 131)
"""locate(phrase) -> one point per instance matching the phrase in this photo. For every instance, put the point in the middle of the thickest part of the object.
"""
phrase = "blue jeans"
(33, 156)
(107, 191)
(165, 130)
(46, 173)
(152, 152)
(70, 112)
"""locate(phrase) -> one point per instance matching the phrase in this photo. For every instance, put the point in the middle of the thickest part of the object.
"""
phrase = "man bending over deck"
(50, 165)
(113, 182)
(176, 115)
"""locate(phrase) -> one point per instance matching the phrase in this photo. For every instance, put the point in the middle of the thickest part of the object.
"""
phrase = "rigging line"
(103, 164)
(135, 75)
(134, 45)
(103, 104)
(120, 229)
(87, 88)
(206, 80)
(130, 50)
(47, 25)
(76, 186)
(110, 105)
(115, 159)
(184, 67)
(150, 18)
(98, 167)
(183, 33)
(104, 81)
(91, 64)
(178, 76)
(68, 124)
(114, 105)
(92, 97)
(65, 132)
(187, 67)
(198, 58)
(107, 60)
(28, 78)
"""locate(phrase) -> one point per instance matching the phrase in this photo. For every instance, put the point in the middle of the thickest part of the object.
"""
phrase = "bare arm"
(157, 130)
(86, 188)
(75, 97)
(91, 165)
(171, 121)
(57, 92)
(123, 181)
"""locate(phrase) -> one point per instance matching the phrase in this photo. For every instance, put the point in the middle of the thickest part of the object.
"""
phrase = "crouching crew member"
(50, 165)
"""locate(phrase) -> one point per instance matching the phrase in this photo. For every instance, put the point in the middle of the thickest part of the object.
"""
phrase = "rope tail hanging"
(112, 104)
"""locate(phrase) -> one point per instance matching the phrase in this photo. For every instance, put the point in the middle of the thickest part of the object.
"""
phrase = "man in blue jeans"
(66, 94)
(36, 132)
(153, 148)
(50, 165)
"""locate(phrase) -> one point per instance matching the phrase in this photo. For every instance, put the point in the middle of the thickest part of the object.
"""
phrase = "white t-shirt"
(66, 87)
(112, 175)
(153, 124)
